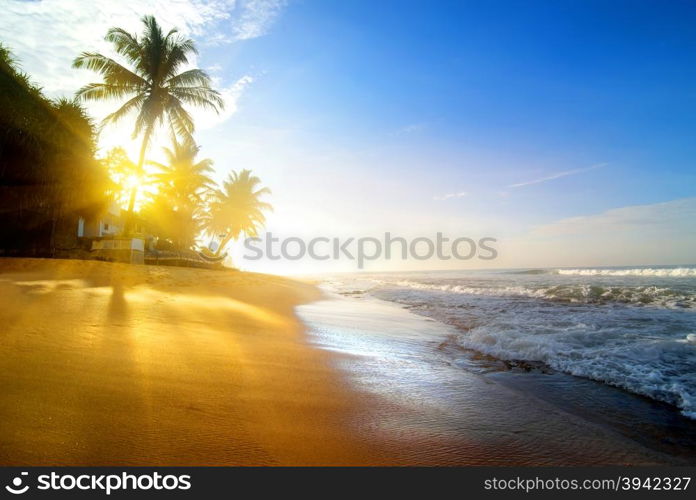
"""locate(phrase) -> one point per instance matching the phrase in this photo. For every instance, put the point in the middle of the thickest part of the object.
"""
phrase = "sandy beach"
(113, 364)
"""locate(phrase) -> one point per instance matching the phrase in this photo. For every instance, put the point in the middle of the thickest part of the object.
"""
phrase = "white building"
(110, 223)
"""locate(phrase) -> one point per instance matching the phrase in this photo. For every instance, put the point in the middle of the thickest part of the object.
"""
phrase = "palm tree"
(46, 157)
(152, 84)
(70, 167)
(237, 208)
(177, 223)
(124, 173)
(183, 183)
(182, 176)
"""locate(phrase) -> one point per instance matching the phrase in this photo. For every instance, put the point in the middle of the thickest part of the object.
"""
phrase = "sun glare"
(132, 181)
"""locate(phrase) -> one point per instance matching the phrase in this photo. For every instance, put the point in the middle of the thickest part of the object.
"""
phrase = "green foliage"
(176, 212)
(237, 208)
(121, 169)
(47, 165)
(48, 168)
(151, 83)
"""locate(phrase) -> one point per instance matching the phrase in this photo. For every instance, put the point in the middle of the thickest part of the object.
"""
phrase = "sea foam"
(629, 328)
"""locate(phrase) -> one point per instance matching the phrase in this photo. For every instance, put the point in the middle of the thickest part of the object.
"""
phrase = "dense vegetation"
(48, 171)
(50, 175)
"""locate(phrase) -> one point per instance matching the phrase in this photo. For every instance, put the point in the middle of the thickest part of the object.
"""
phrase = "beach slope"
(113, 364)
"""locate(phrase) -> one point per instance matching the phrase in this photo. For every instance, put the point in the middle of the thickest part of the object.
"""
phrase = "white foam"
(636, 332)
(679, 272)
(576, 293)
(660, 368)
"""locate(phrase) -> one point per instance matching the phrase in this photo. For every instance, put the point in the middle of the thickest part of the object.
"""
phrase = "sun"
(132, 182)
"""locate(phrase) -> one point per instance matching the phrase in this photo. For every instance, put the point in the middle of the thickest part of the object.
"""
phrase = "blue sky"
(495, 118)
(528, 86)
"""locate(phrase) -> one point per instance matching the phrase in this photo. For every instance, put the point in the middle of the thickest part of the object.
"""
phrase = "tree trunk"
(129, 215)
(54, 223)
(224, 242)
(134, 191)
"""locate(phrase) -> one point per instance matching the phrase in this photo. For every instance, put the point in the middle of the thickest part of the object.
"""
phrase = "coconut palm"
(237, 208)
(176, 210)
(124, 173)
(182, 176)
(152, 84)
(176, 223)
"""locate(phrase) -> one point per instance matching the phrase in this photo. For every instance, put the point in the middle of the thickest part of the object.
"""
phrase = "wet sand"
(111, 364)
(440, 404)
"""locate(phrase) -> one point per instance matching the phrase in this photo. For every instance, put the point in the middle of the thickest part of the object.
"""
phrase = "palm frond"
(180, 118)
(112, 72)
(177, 51)
(125, 44)
(190, 78)
(200, 96)
(104, 91)
(128, 107)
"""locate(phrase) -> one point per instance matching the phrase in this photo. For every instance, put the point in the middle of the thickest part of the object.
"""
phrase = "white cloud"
(231, 95)
(47, 35)
(658, 233)
(675, 216)
(410, 129)
(557, 175)
(256, 17)
(448, 196)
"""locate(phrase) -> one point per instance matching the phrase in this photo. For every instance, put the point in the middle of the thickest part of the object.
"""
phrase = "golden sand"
(114, 364)
(110, 364)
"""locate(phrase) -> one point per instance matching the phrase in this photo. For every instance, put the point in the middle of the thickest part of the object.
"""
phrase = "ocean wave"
(648, 351)
(661, 369)
(677, 272)
(532, 271)
(638, 333)
(583, 293)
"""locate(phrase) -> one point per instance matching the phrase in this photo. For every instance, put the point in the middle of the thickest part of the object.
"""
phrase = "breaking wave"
(659, 368)
(648, 295)
(630, 328)
(677, 272)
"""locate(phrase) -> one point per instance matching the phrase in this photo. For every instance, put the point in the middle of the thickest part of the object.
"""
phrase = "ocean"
(628, 327)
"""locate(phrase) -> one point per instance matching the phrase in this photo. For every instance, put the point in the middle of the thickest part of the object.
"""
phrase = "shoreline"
(115, 364)
(464, 409)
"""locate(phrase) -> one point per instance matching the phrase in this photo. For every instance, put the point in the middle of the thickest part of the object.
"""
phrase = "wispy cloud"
(557, 175)
(47, 35)
(256, 17)
(657, 233)
(231, 95)
(410, 129)
(676, 215)
(448, 196)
